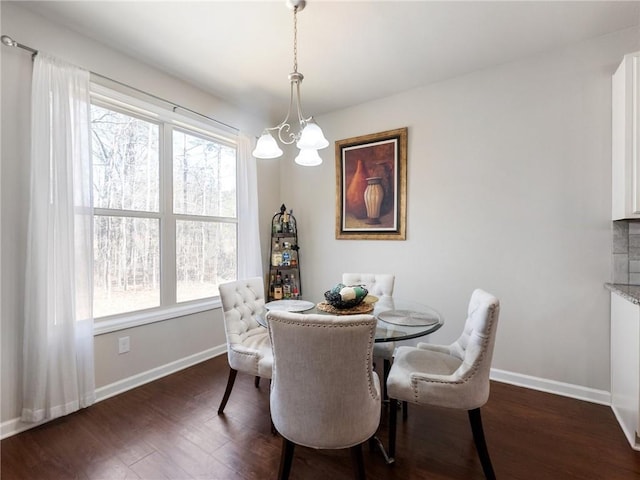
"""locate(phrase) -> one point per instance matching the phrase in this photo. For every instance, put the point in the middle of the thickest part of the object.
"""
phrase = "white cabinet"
(625, 366)
(625, 135)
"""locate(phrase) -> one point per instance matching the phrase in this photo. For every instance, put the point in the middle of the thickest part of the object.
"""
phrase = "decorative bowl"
(341, 296)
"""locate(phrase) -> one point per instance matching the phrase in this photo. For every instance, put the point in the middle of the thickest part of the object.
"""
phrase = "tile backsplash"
(626, 252)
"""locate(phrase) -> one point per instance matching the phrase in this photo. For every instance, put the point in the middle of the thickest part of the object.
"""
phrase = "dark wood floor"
(170, 429)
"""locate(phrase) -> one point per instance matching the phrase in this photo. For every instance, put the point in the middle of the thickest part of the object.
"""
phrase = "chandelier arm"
(284, 129)
(288, 137)
(299, 106)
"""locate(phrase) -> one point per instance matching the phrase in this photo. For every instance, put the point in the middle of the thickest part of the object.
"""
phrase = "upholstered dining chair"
(381, 286)
(324, 392)
(455, 376)
(248, 347)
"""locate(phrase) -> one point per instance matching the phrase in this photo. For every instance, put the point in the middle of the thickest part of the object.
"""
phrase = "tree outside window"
(165, 220)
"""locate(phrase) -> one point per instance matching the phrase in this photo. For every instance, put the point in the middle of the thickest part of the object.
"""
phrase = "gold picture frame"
(371, 186)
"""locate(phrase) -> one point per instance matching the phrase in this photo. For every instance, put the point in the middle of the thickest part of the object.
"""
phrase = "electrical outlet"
(123, 345)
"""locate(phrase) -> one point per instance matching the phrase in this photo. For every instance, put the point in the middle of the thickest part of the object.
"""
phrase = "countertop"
(630, 292)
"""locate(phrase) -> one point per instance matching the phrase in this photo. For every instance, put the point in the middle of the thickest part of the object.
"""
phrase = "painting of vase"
(371, 186)
(355, 192)
(364, 163)
(373, 196)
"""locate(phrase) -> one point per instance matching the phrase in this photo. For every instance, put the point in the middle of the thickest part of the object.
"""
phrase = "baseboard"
(629, 433)
(125, 384)
(15, 426)
(578, 392)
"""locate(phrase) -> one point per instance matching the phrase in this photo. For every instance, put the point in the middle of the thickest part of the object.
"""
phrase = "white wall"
(154, 347)
(509, 189)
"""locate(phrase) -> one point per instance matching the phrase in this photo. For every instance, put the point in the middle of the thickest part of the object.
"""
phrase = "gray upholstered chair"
(455, 376)
(248, 347)
(324, 392)
(380, 285)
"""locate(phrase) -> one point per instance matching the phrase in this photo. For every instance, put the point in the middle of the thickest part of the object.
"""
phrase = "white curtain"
(58, 329)
(249, 253)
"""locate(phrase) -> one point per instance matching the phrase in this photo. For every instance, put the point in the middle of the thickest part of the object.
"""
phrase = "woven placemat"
(362, 308)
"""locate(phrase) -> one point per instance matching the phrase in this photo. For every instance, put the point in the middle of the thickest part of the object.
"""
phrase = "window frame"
(168, 120)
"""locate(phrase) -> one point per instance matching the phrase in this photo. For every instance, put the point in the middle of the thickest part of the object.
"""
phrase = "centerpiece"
(344, 300)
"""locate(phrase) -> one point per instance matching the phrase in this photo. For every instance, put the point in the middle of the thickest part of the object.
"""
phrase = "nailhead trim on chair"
(335, 325)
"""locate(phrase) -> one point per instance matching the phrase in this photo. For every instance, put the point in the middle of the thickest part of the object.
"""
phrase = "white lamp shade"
(312, 138)
(267, 147)
(308, 157)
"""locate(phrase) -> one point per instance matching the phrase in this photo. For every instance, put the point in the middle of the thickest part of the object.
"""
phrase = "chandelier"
(307, 135)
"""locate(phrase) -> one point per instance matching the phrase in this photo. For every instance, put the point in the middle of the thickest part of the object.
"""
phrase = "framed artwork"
(371, 186)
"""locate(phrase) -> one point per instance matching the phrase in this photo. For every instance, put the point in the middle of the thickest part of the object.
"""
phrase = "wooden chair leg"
(372, 443)
(256, 382)
(286, 458)
(358, 461)
(393, 418)
(481, 445)
(385, 374)
(227, 392)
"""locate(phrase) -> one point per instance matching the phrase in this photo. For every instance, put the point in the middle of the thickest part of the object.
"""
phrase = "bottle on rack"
(295, 293)
(277, 226)
(286, 287)
(277, 287)
(294, 255)
(286, 254)
(272, 285)
(276, 255)
(285, 222)
(292, 222)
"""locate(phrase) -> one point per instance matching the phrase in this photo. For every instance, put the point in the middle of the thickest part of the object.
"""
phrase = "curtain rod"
(10, 42)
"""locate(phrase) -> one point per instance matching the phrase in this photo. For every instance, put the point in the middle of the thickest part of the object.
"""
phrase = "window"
(165, 217)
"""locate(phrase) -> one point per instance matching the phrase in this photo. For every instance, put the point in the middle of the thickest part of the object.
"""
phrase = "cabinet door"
(625, 134)
(625, 365)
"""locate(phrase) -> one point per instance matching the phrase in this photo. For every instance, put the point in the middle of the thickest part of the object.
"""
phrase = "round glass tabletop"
(397, 319)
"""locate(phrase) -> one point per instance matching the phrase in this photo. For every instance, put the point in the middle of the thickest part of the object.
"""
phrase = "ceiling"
(349, 51)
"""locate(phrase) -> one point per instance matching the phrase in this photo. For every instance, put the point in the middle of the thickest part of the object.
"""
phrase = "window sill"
(122, 322)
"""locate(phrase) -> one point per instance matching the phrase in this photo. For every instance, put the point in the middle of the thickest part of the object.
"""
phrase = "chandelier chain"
(295, 38)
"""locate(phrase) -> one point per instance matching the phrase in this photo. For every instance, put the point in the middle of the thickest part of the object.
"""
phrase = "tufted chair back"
(378, 284)
(241, 301)
(474, 347)
(324, 392)
(248, 347)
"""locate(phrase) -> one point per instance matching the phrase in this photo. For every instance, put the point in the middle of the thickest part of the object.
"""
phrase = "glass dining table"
(397, 319)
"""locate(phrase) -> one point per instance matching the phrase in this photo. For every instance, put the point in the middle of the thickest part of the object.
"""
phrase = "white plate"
(290, 305)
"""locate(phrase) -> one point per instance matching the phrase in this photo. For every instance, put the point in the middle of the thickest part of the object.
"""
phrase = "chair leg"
(358, 461)
(393, 418)
(405, 411)
(286, 458)
(481, 445)
(372, 443)
(227, 392)
(385, 374)
(256, 382)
